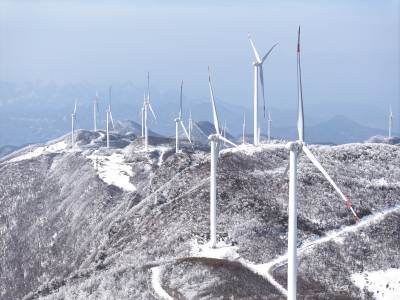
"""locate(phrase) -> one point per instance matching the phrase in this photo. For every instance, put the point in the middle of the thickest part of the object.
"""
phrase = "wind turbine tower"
(295, 149)
(215, 141)
(142, 113)
(269, 126)
(390, 121)
(146, 108)
(95, 111)
(179, 122)
(190, 126)
(258, 76)
(109, 118)
(244, 129)
(73, 120)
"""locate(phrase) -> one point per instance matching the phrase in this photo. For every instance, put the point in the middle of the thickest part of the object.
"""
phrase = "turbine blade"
(148, 85)
(180, 104)
(268, 53)
(109, 98)
(112, 121)
(96, 101)
(75, 107)
(184, 129)
(215, 115)
(226, 140)
(330, 180)
(286, 171)
(254, 49)
(262, 87)
(288, 166)
(152, 111)
(300, 110)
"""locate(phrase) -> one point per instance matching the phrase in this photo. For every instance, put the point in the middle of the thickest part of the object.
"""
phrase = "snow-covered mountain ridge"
(95, 223)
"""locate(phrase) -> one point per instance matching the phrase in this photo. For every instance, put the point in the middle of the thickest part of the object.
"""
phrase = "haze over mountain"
(38, 111)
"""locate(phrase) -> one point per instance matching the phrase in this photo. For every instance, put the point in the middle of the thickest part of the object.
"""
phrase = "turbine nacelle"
(214, 137)
(296, 146)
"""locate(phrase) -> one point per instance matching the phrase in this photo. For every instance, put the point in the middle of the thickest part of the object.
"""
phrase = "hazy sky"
(350, 49)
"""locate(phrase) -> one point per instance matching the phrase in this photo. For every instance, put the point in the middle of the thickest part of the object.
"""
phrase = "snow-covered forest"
(90, 222)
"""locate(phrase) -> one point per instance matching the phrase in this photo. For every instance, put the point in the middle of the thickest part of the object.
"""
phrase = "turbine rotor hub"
(294, 146)
(213, 137)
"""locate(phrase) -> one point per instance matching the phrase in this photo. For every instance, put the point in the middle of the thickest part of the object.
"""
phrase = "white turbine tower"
(108, 119)
(73, 120)
(295, 149)
(390, 121)
(244, 129)
(269, 126)
(258, 76)
(142, 113)
(95, 111)
(214, 140)
(190, 126)
(146, 108)
(179, 122)
(224, 133)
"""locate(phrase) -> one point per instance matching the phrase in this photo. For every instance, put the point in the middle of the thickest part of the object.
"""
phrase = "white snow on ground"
(335, 235)
(250, 149)
(221, 251)
(113, 170)
(161, 151)
(264, 271)
(385, 284)
(53, 148)
(224, 251)
(156, 284)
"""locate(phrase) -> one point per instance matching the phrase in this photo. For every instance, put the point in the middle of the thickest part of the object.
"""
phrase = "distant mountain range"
(36, 112)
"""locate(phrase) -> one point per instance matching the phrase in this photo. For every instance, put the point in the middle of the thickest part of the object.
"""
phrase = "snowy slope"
(97, 223)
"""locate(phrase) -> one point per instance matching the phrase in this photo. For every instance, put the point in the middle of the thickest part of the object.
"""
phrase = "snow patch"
(156, 283)
(384, 284)
(53, 148)
(250, 149)
(381, 182)
(113, 170)
(224, 251)
(221, 251)
(161, 151)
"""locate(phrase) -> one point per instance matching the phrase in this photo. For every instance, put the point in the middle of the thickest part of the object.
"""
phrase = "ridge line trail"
(266, 268)
(156, 284)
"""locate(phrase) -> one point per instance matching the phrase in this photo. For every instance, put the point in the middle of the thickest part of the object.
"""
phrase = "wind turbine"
(190, 126)
(142, 113)
(224, 132)
(109, 118)
(390, 121)
(244, 128)
(179, 122)
(258, 75)
(146, 108)
(215, 141)
(95, 111)
(296, 148)
(73, 120)
(269, 126)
